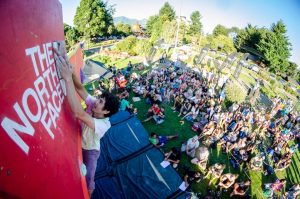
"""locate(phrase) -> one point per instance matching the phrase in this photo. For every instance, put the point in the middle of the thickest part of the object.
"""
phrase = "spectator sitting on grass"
(201, 157)
(191, 176)
(159, 141)
(227, 180)
(155, 113)
(240, 189)
(294, 192)
(270, 188)
(138, 88)
(122, 95)
(208, 129)
(125, 106)
(173, 157)
(190, 146)
(178, 102)
(185, 108)
(190, 116)
(256, 163)
(283, 163)
(216, 171)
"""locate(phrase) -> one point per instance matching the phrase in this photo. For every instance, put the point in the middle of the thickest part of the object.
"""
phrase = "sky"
(260, 13)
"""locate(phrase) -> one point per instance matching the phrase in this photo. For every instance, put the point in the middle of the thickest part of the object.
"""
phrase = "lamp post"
(176, 38)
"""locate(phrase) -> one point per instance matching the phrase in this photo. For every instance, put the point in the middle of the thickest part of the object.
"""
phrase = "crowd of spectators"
(254, 140)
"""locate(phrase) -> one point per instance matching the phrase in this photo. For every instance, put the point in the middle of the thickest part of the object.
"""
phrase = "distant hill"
(129, 21)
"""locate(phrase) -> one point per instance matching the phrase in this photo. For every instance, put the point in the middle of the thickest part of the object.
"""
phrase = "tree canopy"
(292, 72)
(221, 41)
(71, 35)
(196, 25)
(123, 29)
(94, 18)
(167, 13)
(272, 44)
(275, 46)
(155, 23)
(297, 76)
(249, 37)
(127, 45)
(220, 30)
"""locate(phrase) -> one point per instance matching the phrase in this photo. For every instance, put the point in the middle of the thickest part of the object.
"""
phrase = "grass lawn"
(120, 63)
(172, 126)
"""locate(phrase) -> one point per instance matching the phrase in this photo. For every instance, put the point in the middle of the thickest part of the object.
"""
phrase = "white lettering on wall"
(11, 127)
(31, 52)
(30, 92)
(47, 124)
(40, 87)
(47, 93)
(42, 57)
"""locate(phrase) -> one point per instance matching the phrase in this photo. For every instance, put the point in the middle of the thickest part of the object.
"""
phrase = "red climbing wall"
(76, 59)
(40, 152)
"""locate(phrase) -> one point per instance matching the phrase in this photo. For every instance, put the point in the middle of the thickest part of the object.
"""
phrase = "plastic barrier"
(40, 150)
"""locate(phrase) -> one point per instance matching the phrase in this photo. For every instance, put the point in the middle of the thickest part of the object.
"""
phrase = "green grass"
(248, 80)
(101, 43)
(120, 63)
(172, 126)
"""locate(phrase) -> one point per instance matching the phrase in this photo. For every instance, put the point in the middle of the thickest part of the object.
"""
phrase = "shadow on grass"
(293, 172)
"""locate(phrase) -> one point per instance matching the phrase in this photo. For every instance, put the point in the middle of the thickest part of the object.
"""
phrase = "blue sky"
(261, 13)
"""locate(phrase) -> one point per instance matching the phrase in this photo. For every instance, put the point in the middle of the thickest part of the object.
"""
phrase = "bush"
(127, 45)
(235, 93)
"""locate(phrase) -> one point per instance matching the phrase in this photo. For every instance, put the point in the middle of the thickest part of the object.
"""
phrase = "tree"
(220, 30)
(275, 47)
(297, 76)
(143, 47)
(167, 13)
(234, 29)
(127, 45)
(94, 18)
(292, 69)
(110, 29)
(224, 41)
(150, 24)
(155, 23)
(250, 36)
(169, 31)
(123, 29)
(156, 30)
(71, 36)
(196, 25)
